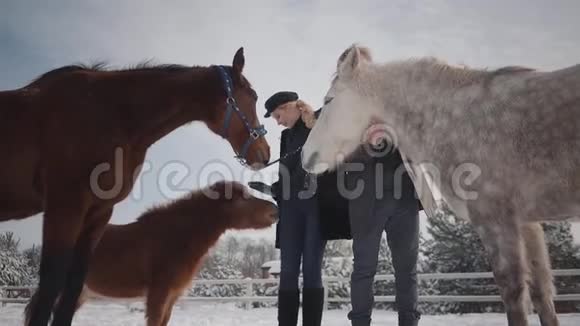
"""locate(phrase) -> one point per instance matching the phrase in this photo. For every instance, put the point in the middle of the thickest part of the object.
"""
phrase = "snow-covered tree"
(216, 267)
(564, 254)
(454, 247)
(254, 255)
(8, 242)
(32, 256)
(14, 269)
(337, 262)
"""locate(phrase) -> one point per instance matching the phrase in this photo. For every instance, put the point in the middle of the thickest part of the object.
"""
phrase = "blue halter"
(254, 132)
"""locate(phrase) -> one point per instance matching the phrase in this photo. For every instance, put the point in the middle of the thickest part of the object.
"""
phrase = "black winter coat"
(333, 208)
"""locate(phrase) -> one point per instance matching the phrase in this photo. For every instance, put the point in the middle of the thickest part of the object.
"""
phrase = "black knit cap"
(278, 99)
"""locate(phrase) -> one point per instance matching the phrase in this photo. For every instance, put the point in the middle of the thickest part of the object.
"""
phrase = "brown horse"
(157, 256)
(75, 139)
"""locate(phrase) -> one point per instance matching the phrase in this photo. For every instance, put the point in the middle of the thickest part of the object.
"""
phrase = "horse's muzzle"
(308, 165)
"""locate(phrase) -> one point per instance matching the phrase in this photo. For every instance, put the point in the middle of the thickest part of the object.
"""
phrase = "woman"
(302, 231)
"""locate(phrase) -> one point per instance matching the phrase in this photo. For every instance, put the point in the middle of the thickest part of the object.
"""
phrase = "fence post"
(249, 292)
(325, 284)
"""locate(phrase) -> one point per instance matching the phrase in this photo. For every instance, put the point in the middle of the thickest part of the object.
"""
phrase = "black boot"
(312, 305)
(359, 322)
(288, 305)
(409, 318)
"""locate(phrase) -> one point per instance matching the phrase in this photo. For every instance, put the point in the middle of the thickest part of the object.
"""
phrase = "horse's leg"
(157, 302)
(95, 223)
(34, 300)
(62, 224)
(82, 299)
(30, 306)
(541, 284)
(168, 310)
(503, 243)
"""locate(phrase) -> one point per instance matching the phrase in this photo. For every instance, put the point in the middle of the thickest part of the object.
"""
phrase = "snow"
(210, 314)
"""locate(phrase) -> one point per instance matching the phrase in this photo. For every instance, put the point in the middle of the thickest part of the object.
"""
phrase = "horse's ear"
(220, 190)
(351, 60)
(239, 61)
(218, 186)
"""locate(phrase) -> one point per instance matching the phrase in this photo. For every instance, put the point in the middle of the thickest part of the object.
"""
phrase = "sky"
(289, 45)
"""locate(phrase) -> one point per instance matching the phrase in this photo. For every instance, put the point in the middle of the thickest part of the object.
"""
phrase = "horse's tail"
(30, 306)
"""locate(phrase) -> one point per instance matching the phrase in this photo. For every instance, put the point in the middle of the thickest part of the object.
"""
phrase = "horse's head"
(237, 120)
(240, 209)
(346, 114)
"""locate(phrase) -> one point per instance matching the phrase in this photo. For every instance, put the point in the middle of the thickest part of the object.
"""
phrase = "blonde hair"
(306, 114)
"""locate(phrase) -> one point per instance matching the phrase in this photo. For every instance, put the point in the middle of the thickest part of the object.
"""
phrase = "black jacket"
(393, 181)
(333, 208)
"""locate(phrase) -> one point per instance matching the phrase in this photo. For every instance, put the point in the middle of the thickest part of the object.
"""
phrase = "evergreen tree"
(14, 270)
(337, 262)
(254, 255)
(32, 256)
(563, 251)
(8, 242)
(454, 247)
(216, 267)
(564, 254)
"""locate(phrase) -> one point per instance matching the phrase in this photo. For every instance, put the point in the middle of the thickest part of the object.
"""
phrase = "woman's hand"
(303, 106)
(306, 113)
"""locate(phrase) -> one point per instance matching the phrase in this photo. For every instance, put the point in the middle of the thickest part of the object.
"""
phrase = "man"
(385, 202)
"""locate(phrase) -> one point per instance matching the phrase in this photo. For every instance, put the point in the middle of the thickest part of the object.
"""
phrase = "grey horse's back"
(567, 79)
(550, 136)
(533, 137)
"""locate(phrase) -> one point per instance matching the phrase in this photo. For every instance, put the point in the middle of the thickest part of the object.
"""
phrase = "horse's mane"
(507, 70)
(463, 74)
(457, 74)
(197, 198)
(146, 65)
(178, 204)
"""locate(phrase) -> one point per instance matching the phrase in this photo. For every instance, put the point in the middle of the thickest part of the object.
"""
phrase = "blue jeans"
(300, 240)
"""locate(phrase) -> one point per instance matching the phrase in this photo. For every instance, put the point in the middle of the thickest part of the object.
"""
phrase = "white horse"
(502, 148)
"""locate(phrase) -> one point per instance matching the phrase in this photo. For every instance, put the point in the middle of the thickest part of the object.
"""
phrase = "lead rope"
(284, 156)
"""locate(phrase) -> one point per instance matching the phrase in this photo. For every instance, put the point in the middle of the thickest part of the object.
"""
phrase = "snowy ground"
(204, 314)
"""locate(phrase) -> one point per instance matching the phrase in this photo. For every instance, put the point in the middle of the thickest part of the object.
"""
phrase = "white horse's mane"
(457, 75)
